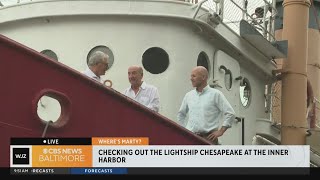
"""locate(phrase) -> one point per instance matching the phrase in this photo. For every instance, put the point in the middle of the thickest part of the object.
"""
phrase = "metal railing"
(259, 13)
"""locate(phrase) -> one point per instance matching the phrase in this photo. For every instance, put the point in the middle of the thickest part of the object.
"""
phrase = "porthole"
(155, 60)
(51, 108)
(49, 53)
(203, 60)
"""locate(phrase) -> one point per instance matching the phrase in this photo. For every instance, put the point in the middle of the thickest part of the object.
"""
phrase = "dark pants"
(205, 135)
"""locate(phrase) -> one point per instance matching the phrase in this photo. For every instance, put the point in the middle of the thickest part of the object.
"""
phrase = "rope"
(45, 128)
(317, 65)
(20, 127)
(296, 127)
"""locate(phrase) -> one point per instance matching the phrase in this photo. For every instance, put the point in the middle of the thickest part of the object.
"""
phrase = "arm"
(227, 110)
(155, 101)
(228, 116)
(183, 112)
(215, 134)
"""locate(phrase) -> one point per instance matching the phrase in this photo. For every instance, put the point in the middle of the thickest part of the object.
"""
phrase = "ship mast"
(294, 79)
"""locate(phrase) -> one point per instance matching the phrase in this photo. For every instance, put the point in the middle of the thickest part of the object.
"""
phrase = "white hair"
(97, 57)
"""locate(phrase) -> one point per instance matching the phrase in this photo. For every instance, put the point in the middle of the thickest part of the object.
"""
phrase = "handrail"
(199, 4)
(254, 20)
(263, 23)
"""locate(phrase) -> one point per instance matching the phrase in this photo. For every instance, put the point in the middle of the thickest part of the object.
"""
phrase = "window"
(155, 60)
(49, 53)
(203, 60)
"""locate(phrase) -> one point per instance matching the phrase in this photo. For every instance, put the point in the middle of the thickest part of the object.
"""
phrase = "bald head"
(201, 71)
(135, 74)
(136, 68)
(199, 77)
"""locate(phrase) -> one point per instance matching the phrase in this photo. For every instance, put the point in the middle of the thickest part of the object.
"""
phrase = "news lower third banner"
(119, 155)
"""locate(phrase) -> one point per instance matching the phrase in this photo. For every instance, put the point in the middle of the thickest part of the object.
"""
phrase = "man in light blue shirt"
(205, 107)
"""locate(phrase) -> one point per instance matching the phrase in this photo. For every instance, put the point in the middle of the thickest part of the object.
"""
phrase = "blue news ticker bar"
(163, 171)
(98, 171)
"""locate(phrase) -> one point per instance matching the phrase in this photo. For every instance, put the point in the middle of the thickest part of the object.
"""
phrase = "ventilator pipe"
(294, 80)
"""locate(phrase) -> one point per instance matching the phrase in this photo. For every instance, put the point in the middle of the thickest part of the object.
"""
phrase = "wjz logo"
(20, 155)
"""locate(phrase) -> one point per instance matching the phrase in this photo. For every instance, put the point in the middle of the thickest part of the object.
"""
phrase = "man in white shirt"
(205, 107)
(97, 65)
(140, 91)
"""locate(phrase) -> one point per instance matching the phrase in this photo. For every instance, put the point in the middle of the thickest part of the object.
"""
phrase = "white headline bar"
(201, 156)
